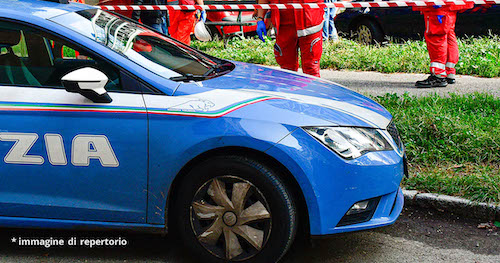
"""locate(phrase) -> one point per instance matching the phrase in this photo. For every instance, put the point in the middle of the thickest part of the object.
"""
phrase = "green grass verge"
(479, 56)
(478, 182)
(453, 143)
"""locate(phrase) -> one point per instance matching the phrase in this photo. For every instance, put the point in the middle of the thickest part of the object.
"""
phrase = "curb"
(456, 205)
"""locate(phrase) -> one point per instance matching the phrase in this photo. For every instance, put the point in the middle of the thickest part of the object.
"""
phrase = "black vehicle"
(372, 25)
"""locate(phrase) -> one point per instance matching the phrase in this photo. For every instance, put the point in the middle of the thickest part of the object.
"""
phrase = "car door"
(479, 20)
(400, 21)
(62, 155)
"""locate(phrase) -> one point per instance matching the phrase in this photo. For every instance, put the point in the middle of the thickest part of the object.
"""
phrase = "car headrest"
(9, 38)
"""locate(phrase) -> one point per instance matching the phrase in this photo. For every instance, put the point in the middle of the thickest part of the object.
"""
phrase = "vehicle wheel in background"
(235, 209)
(271, 32)
(214, 32)
(368, 32)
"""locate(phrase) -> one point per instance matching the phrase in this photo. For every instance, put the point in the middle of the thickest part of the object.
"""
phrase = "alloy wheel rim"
(364, 34)
(230, 218)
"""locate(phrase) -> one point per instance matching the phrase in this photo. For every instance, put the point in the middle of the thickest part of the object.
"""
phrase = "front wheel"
(235, 209)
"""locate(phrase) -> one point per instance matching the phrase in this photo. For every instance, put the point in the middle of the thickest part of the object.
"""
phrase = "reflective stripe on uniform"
(450, 65)
(310, 30)
(427, 25)
(440, 74)
(438, 65)
(316, 40)
(451, 76)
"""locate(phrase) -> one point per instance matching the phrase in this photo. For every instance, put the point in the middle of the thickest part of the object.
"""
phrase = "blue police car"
(107, 124)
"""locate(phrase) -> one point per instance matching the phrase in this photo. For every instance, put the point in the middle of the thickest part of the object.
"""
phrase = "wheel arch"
(286, 176)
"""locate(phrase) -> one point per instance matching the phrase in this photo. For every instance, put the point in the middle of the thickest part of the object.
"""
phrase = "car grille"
(393, 131)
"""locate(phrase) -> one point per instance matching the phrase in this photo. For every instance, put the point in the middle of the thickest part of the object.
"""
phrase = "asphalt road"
(418, 236)
(379, 83)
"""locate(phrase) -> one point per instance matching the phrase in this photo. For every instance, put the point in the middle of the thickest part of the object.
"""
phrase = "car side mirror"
(89, 82)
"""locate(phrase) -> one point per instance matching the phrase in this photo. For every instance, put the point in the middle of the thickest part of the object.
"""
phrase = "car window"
(19, 49)
(30, 57)
(162, 55)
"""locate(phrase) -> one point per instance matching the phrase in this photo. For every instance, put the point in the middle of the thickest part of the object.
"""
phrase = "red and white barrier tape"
(298, 6)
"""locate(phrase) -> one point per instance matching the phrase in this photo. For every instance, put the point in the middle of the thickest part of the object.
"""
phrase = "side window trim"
(151, 90)
(51, 56)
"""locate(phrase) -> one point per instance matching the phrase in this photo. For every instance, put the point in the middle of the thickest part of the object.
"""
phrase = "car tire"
(235, 209)
(368, 32)
(214, 32)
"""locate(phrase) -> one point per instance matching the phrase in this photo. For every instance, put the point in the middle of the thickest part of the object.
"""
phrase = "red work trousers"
(442, 43)
(287, 48)
(182, 25)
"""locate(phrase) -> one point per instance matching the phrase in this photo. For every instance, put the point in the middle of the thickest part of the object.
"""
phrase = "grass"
(480, 56)
(478, 182)
(453, 143)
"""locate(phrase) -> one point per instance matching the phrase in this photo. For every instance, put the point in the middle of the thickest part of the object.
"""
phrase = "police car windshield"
(155, 52)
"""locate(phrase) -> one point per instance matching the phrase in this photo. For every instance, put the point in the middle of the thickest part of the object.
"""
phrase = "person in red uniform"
(296, 29)
(441, 43)
(182, 22)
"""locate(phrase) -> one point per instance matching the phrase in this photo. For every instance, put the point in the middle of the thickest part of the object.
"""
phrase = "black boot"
(432, 82)
(450, 80)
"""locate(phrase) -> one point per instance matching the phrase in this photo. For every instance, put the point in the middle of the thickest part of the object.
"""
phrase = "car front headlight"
(350, 142)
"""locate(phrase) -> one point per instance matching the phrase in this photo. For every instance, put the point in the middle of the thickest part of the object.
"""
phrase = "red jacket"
(307, 21)
(442, 10)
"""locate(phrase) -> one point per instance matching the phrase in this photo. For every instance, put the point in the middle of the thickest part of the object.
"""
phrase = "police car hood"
(289, 98)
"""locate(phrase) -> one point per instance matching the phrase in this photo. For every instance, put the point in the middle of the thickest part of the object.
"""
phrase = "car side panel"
(480, 20)
(399, 21)
(92, 189)
(175, 139)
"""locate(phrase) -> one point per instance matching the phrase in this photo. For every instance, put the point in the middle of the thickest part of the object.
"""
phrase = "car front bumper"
(332, 185)
(388, 210)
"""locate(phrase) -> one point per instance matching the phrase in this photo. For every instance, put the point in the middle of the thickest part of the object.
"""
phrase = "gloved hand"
(261, 30)
(202, 16)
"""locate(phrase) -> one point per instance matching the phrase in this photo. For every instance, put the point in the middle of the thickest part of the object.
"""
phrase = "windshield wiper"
(188, 78)
(215, 67)
(211, 70)
(206, 75)
(191, 77)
